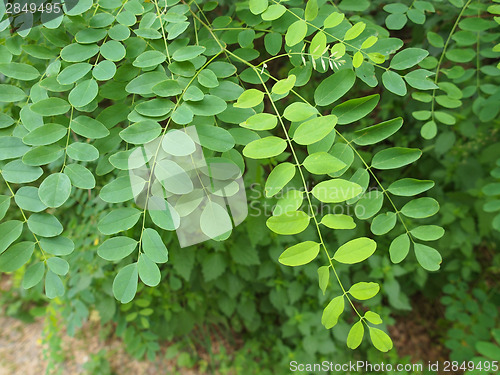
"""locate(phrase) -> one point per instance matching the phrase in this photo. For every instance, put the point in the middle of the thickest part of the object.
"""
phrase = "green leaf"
(12, 147)
(314, 130)
(207, 78)
(178, 143)
(377, 133)
(364, 291)
(311, 10)
(355, 109)
(373, 317)
(54, 286)
(258, 6)
(58, 265)
(167, 88)
(80, 176)
(420, 208)
(73, 73)
(427, 232)
(323, 163)
(150, 59)
(355, 335)
(407, 187)
(104, 71)
(156, 107)
(281, 175)
(143, 84)
(173, 177)
(355, 31)
(273, 12)
(260, 121)
(120, 190)
(33, 275)
(16, 256)
(215, 220)
(116, 248)
(148, 271)
(119, 220)
(435, 40)
(182, 115)
(395, 157)
(299, 111)
(338, 221)
(323, 277)
(288, 223)
(488, 349)
(153, 246)
(55, 190)
(11, 94)
(42, 155)
(112, 50)
(396, 21)
(125, 283)
(264, 148)
(83, 93)
(250, 98)
(5, 121)
(342, 80)
(210, 105)
(428, 257)
(4, 205)
(429, 130)
(9, 232)
(45, 135)
(141, 132)
(318, 45)
(460, 55)
(336, 190)
(78, 52)
(291, 201)
(333, 20)
(416, 16)
(283, 86)
(419, 79)
(183, 54)
(369, 204)
(167, 219)
(20, 71)
(45, 225)
(369, 42)
(57, 245)
(332, 312)
(296, 33)
(445, 118)
(194, 94)
(407, 58)
(89, 128)
(394, 83)
(300, 254)
(50, 107)
(380, 339)
(215, 138)
(383, 223)
(19, 173)
(399, 248)
(355, 251)
(477, 24)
